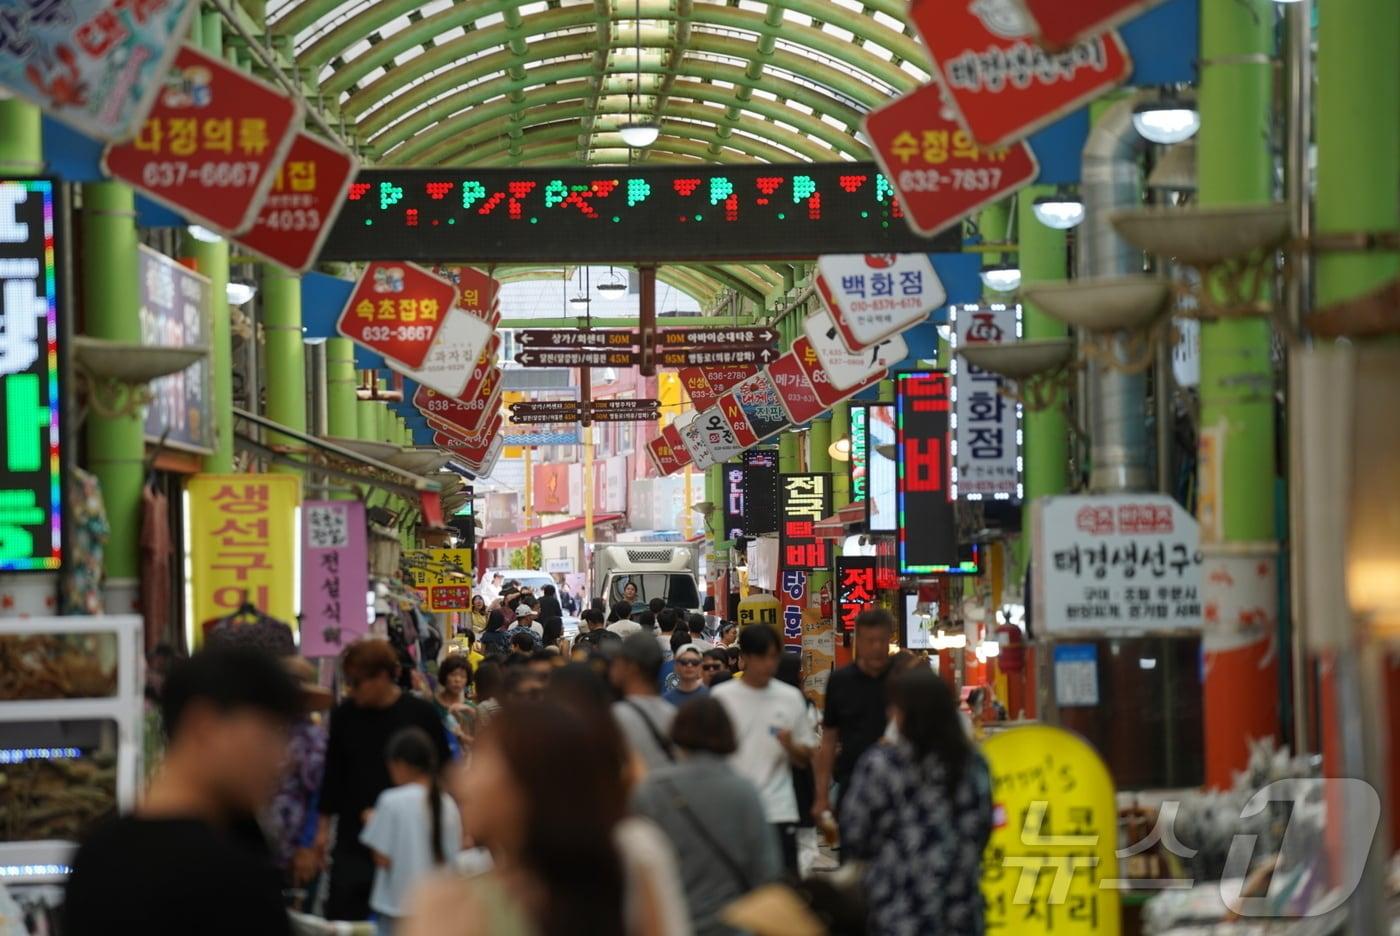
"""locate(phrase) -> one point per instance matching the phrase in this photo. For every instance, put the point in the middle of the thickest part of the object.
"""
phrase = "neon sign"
(928, 525)
(634, 213)
(31, 498)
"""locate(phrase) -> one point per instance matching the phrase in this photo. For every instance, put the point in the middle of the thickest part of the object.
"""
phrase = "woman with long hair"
(495, 640)
(479, 614)
(919, 813)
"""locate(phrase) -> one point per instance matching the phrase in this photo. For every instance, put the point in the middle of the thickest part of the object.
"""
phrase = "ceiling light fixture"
(1003, 277)
(1061, 211)
(613, 284)
(203, 234)
(239, 293)
(578, 300)
(638, 133)
(840, 450)
(1169, 119)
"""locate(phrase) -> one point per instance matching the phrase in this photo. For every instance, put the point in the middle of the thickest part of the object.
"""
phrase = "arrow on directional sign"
(603, 406)
(578, 338)
(521, 419)
(545, 406)
(577, 357)
(626, 416)
(686, 357)
(712, 337)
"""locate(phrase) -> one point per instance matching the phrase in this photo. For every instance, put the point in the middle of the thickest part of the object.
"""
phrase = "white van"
(669, 571)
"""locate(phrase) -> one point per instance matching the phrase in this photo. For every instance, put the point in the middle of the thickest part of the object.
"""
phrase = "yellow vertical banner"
(1051, 863)
(242, 545)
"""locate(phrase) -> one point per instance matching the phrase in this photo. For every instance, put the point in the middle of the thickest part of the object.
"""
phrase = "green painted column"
(1046, 433)
(1236, 466)
(21, 142)
(366, 420)
(212, 261)
(841, 474)
(819, 460)
(384, 430)
(341, 382)
(788, 459)
(286, 360)
(112, 310)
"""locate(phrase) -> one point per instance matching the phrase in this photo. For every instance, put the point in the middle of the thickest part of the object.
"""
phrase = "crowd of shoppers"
(541, 786)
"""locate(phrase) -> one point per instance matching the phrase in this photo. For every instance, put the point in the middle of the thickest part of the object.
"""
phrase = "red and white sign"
(477, 293)
(734, 415)
(397, 310)
(1002, 84)
(473, 445)
(461, 415)
(478, 459)
(845, 368)
(795, 390)
(816, 375)
(706, 384)
(210, 146)
(485, 377)
(668, 452)
(941, 174)
(1057, 24)
(307, 194)
(874, 296)
(452, 359)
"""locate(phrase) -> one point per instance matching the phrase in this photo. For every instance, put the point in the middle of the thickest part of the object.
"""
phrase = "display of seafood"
(56, 799)
(57, 666)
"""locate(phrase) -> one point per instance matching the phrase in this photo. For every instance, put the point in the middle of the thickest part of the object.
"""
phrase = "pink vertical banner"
(334, 576)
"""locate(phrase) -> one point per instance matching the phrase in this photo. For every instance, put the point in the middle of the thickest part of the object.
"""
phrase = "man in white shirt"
(620, 620)
(774, 729)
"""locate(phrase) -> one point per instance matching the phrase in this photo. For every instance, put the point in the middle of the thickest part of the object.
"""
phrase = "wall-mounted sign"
(706, 384)
(733, 501)
(928, 528)
(816, 375)
(31, 480)
(760, 492)
(986, 422)
(639, 212)
(859, 461)
(792, 596)
(668, 452)
(210, 147)
(241, 535)
(804, 499)
(873, 296)
(1115, 563)
(445, 575)
(761, 404)
(1057, 25)
(175, 310)
(88, 64)
(334, 576)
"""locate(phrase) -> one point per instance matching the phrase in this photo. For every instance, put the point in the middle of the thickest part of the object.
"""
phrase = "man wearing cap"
(643, 717)
(525, 624)
(689, 659)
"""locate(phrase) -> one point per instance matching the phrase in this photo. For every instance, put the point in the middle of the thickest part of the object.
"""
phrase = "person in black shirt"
(855, 707)
(356, 771)
(549, 603)
(192, 859)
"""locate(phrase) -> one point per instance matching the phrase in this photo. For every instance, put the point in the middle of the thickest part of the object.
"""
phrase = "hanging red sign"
(827, 394)
(210, 146)
(474, 449)
(485, 375)
(734, 415)
(307, 194)
(1002, 85)
(477, 292)
(397, 310)
(706, 384)
(462, 415)
(798, 397)
(855, 588)
(667, 458)
(1057, 24)
(941, 175)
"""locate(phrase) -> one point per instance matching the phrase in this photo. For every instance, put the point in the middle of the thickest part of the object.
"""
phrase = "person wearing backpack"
(643, 717)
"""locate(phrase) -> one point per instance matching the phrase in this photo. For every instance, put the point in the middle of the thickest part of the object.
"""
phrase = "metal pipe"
(1111, 179)
(317, 406)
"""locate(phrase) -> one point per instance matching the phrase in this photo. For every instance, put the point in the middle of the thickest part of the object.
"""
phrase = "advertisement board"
(397, 309)
(928, 529)
(882, 502)
(733, 501)
(175, 312)
(760, 492)
(334, 576)
(804, 499)
(986, 421)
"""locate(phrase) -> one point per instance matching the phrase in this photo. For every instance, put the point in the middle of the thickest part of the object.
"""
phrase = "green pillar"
(993, 222)
(714, 493)
(112, 303)
(788, 459)
(341, 382)
(841, 474)
(384, 429)
(212, 261)
(819, 460)
(286, 360)
(1237, 476)
(366, 420)
(1046, 433)
(21, 143)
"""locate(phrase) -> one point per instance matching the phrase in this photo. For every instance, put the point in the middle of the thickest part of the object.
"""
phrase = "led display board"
(859, 462)
(733, 501)
(636, 213)
(805, 500)
(881, 508)
(31, 498)
(928, 527)
(760, 492)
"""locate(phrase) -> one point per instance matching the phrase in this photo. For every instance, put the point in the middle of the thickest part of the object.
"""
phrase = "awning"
(525, 537)
(837, 526)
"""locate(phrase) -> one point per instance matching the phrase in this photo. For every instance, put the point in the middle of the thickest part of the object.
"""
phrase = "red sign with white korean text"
(795, 390)
(307, 193)
(485, 376)
(210, 147)
(397, 310)
(1057, 24)
(472, 446)
(827, 394)
(942, 176)
(706, 384)
(734, 415)
(1002, 85)
(672, 434)
(855, 588)
(464, 417)
(667, 458)
(477, 293)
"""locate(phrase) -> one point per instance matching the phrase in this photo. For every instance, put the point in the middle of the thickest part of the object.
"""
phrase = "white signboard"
(986, 424)
(1076, 675)
(714, 434)
(845, 368)
(1120, 563)
(874, 296)
(455, 351)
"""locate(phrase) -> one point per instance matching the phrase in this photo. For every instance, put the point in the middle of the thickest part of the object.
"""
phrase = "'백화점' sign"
(987, 423)
(210, 147)
(1000, 82)
(928, 527)
(334, 577)
(1116, 563)
(241, 539)
(175, 312)
(31, 483)
(93, 64)
(873, 296)
(307, 193)
(805, 499)
(396, 309)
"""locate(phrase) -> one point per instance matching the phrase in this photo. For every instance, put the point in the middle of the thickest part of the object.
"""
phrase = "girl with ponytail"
(415, 827)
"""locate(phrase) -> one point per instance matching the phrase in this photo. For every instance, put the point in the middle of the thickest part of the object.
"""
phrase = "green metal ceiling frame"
(530, 83)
